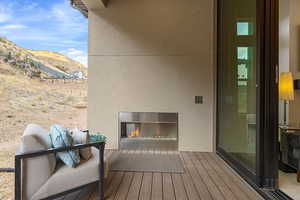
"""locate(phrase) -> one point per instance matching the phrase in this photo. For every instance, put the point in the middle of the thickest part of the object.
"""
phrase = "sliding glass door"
(237, 81)
(246, 83)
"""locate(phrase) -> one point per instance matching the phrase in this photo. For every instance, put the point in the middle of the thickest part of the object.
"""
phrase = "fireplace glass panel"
(148, 130)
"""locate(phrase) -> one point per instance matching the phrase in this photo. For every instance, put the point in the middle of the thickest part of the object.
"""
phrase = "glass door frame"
(266, 175)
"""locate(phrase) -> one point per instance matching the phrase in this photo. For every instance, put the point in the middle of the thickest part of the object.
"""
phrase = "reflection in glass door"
(237, 81)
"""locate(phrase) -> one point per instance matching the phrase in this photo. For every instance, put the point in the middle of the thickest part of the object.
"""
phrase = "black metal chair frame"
(20, 157)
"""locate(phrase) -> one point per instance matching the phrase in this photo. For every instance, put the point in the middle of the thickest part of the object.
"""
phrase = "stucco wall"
(153, 56)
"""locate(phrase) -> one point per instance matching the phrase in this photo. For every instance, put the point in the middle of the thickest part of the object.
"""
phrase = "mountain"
(37, 63)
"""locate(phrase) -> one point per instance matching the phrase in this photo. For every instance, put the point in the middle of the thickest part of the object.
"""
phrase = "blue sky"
(45, 25)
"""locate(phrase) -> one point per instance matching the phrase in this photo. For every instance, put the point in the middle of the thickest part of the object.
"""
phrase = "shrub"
(62, 68)
(35, 74)
(2, 40)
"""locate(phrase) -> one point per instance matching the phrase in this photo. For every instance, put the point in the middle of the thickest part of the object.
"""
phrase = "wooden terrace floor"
(206, 177)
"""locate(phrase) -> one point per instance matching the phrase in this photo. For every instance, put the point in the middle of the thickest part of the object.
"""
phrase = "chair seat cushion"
(66, 178)
(61, 137)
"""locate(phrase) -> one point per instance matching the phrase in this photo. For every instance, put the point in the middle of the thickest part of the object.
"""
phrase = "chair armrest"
(32, 154)
(20, 156)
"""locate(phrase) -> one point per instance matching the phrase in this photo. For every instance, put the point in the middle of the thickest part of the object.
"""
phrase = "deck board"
(134, 190)
(179, 187)
(211, 186)
(146, 187)
(124, 187)
(206, 177)
(251, 193)
(190, 188)
(157, 190)
(195, 177)
(168, 189)
(217, 180)
(234, 187)
(114, 186)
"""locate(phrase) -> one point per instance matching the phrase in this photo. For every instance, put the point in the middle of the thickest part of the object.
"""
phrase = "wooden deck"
(206, 177)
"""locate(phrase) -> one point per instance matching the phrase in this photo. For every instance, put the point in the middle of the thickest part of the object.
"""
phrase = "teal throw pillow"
(61, 137)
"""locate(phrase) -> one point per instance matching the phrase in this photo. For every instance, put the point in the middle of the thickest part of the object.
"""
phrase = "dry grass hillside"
(25, 59)
(8, 47)
(25, 100)
(59, 61)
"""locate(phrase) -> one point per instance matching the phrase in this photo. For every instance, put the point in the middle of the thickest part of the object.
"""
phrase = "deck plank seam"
(201, 155)
(193, 166)
(221, 178)
(197, 171)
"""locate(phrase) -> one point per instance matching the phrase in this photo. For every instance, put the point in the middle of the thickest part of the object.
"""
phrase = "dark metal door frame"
(267, 139)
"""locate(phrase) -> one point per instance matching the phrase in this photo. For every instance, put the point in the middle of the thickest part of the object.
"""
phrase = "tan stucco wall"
(153, 56)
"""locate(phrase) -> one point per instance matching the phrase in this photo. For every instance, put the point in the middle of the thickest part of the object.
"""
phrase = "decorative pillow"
(80, 137)
(61, 137)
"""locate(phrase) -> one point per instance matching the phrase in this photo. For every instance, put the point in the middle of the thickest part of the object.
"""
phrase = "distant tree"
(9, 56)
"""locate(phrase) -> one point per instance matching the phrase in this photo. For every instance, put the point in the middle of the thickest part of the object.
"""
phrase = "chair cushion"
(80, 137)
(66, 178)
(61, 137)
(36, 170)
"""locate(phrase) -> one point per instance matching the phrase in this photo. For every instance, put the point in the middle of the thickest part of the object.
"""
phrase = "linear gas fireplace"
(150, 130)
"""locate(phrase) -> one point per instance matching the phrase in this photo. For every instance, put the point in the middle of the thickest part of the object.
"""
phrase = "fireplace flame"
(134, 133)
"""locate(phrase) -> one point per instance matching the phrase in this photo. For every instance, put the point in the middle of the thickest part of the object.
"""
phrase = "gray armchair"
(38, 177)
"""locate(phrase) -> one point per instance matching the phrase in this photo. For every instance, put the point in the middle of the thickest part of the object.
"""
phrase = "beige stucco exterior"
(153, 56)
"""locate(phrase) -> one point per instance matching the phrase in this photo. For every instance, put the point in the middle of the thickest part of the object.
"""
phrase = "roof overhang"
(79, 5)
(85, 5)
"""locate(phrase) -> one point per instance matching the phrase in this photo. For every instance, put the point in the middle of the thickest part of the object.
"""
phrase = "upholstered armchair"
(37, 176)
(290, 149)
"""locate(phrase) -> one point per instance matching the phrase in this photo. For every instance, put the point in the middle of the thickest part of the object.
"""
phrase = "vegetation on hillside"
(30, 61)
(59, 61)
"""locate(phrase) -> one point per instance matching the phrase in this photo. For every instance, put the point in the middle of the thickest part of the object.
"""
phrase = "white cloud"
(75, 54)
(12, 26)
(82, 59)
(4, 17)
(5, 13)
(68, 20)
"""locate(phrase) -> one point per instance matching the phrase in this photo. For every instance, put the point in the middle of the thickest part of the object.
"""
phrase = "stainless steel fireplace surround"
(148, 117)
(143, 128)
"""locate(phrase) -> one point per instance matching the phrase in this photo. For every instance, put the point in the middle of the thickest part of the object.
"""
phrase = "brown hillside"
(59, 61)
(53, 60)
